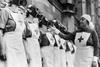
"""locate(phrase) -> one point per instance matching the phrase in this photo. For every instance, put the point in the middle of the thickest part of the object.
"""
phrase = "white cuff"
(36, 20)
(95, 58)
(57, 31)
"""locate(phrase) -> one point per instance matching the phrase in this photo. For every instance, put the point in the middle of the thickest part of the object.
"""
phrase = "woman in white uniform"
(32, 46)
(86, 41)
(11, 29)
(47, 42)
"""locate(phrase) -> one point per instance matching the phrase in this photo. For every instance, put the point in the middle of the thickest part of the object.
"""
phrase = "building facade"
(65, 10)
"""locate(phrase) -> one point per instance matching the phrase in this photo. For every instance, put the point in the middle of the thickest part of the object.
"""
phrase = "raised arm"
(61, 27)
(69, 36)
(63, 33)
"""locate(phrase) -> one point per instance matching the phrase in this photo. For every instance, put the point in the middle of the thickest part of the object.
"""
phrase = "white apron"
(33, 46)
(48, 52)
(69, 55)
(84, 54)
(14, 44)
(60, 55)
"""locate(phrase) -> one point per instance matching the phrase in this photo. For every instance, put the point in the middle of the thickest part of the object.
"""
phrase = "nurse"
(32, 43)
(11, 29)
(86, 41)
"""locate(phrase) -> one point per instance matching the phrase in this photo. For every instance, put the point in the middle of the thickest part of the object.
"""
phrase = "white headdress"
(88, 18)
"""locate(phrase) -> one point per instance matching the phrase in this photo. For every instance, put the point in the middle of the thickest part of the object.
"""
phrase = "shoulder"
(92, 30)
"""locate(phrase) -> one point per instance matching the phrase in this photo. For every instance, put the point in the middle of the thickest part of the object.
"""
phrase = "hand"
(3, 55)
(3, 51)
(95, 62)
(28, 58)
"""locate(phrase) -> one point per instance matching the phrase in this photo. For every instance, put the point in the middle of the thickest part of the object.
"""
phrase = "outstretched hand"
(55, 30)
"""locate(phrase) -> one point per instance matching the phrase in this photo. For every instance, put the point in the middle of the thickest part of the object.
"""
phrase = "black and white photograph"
(49, 33)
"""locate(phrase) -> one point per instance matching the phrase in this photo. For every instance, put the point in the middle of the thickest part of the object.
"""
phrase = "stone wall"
(46, 8)
(78, 5)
